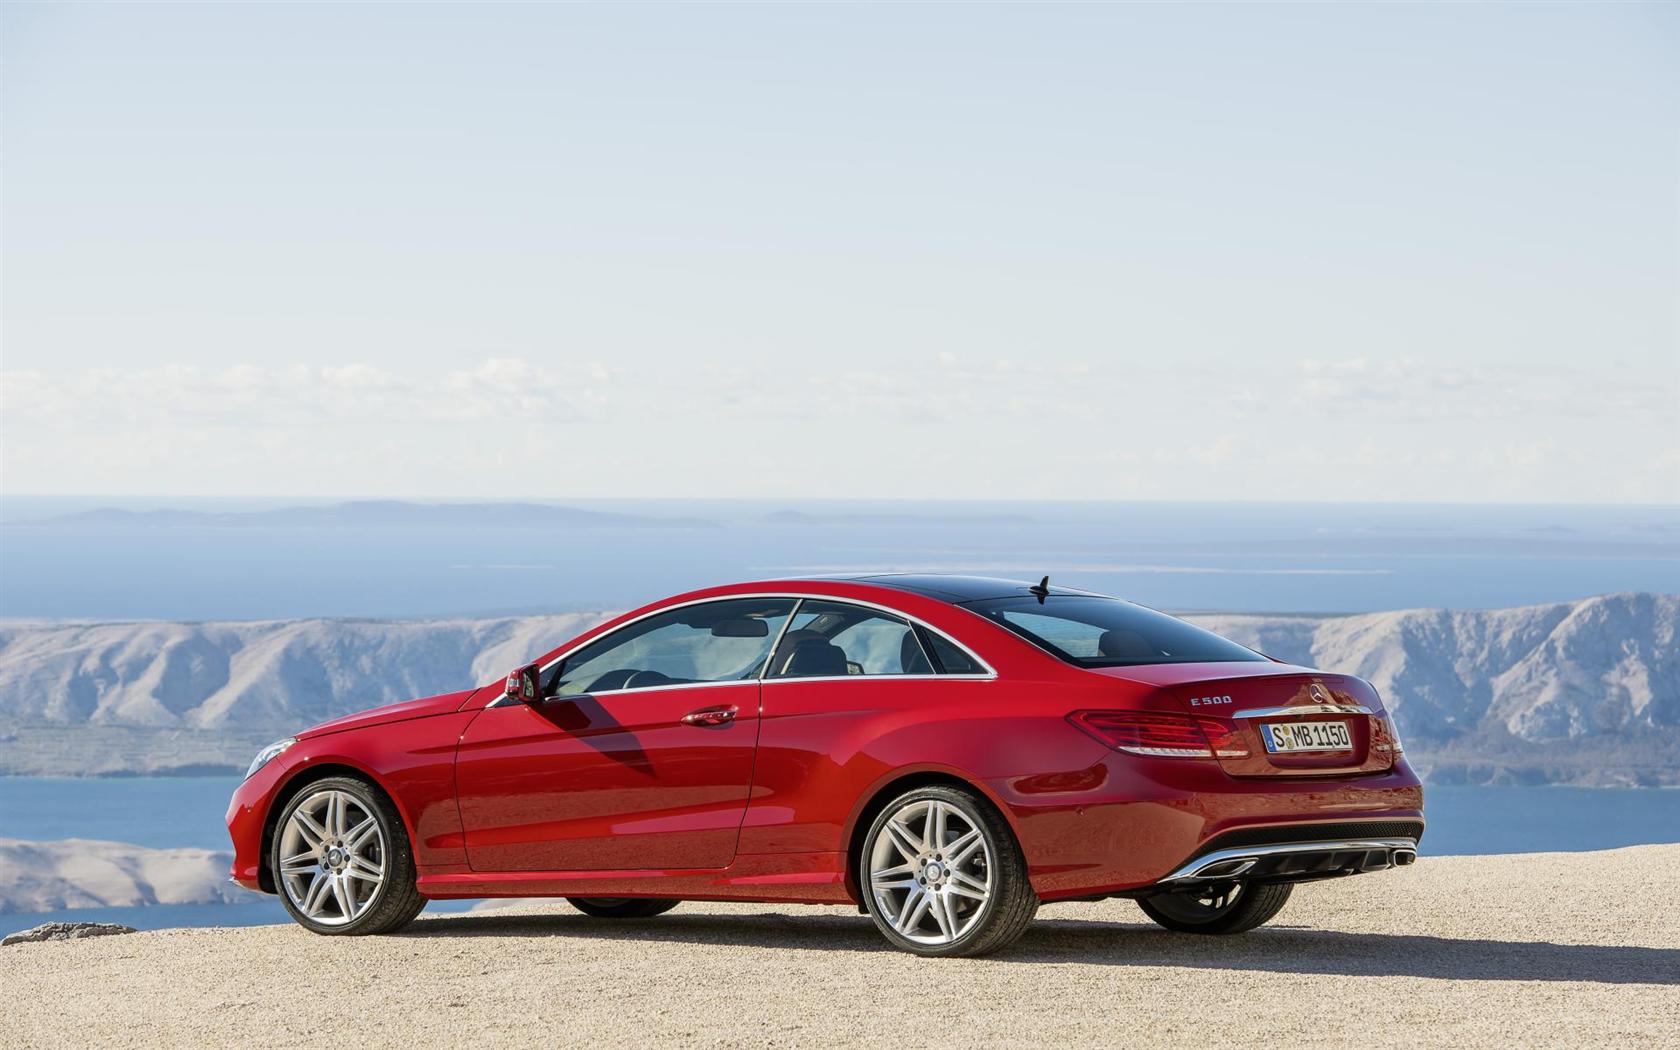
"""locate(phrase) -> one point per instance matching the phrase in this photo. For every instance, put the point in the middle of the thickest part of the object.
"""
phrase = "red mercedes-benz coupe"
(945, 752)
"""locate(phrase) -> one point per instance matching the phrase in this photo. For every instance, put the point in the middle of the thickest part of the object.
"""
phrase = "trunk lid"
(1247, 697)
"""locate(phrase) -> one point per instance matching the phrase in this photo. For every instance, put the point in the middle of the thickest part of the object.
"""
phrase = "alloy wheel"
(332, 858)
(930, 870)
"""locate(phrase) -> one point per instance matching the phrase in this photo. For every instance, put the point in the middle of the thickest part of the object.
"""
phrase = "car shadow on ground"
(1051, 940)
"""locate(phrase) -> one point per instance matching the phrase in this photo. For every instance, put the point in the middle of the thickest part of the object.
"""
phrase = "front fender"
(412, 762)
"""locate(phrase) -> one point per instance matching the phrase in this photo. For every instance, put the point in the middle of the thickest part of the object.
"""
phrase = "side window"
(951, 660)
(829, 639)
(724, 641)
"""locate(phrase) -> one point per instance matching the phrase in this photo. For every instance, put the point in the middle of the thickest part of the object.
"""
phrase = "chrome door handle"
(710, 716)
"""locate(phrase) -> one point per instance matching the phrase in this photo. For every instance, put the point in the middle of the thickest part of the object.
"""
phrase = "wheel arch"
(874, 800)
(293, 786)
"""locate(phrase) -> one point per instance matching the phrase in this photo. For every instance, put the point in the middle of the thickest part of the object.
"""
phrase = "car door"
(639, 755)
(845, 673)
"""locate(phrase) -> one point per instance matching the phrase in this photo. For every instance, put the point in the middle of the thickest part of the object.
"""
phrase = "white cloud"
(1407, 389)
(940, 423)
(250, 396)
(358, 377)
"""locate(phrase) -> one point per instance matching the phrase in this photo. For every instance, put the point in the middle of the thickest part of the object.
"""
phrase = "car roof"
(956, 590)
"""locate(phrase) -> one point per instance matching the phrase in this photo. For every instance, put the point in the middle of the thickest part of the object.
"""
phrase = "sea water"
(189, 811)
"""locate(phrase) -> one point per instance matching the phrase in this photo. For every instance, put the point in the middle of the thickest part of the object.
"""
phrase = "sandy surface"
(1563, 949)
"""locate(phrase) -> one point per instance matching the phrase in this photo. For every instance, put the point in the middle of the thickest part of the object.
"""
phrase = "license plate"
(1306, 736)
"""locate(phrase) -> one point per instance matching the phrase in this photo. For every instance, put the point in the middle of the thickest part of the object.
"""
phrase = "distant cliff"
(1583, 692)
(84, 873)
(190, 698)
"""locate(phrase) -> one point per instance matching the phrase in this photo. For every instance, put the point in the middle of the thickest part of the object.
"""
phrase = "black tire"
(995, 922)
(1217, 912)
(396, 901)
(621, 907)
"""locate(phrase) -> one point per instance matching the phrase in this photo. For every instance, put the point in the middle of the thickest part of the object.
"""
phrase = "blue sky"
(1341, 252)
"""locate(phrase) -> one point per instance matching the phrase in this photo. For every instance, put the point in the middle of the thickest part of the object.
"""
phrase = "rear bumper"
(1293, 861)
(1130, 823)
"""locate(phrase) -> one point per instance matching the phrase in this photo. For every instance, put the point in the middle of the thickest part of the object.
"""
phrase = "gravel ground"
(1555, 949)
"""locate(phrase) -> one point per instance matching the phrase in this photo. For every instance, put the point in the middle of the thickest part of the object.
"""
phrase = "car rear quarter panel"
(1090, 819)
(827, 747)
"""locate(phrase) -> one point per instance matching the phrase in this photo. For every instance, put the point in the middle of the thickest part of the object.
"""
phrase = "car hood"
(424, 708)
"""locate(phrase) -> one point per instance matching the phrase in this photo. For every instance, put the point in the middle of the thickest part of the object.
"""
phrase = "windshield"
(1091, 631)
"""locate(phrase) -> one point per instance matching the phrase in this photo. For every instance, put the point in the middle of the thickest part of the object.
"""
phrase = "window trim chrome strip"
(883, 678)
(798, 598)
(927, 657)
(787, 625)
(1301, 709)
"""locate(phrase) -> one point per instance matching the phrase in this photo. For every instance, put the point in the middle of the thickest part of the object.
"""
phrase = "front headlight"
(269, 754)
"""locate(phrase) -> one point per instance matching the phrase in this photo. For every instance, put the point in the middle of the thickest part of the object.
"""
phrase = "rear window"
(1105, 632)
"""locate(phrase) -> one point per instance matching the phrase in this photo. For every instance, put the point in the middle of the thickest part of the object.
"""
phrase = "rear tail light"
(1386, 737)
(1223, 737)
(1162, 735)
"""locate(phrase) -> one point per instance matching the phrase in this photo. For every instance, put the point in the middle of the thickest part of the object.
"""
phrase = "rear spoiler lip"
(1176, 674)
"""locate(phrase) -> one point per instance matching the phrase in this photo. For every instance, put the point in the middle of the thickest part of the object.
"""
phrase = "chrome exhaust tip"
(1402, 857)
(1226, 869)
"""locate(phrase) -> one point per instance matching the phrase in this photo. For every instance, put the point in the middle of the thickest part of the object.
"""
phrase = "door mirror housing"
(524, 684)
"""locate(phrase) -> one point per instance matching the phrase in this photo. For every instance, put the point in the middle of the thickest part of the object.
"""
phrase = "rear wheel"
(342, 862)
(941, 874)
(1232, 907)
(621, 907)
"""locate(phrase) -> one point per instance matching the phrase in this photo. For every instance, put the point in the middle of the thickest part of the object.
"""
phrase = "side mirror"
(524, 684)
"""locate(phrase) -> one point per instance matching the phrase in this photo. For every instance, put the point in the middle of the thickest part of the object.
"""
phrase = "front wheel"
(942, 874)
(1230, 908)
(342, 862)
(621, 907)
